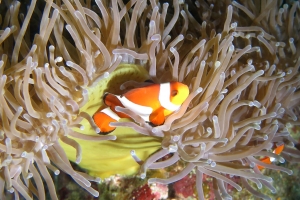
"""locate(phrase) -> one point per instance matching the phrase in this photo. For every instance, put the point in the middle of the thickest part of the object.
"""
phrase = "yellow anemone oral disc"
(105, 158)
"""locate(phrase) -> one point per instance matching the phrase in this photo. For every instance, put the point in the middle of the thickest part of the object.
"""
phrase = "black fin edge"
(149, 81)
(104, 96)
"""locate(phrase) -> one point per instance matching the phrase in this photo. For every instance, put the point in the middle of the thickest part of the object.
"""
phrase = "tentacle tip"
(96, 194)
(77, 13)
(11, 190)
(114, 137)
(273, 114)
(200, 89)
(143, 176)
(68, 63)
(23, 154)
(269, 179)
(85, 92)
(58, 59)
(98, 180)
(152, 23)
(78, 160)
(106, 74)
(122, 87)
(172, 49)
(261, 72)
(213, 164)
(51, 47)
(239, 189)
(173, 148)
(45, 147)
(97, 130)
(155, 37)
(215, 118)
(30, 175)
(175, 138)
(132, 152)
(8, 140)
(154, 130)
(291, 40)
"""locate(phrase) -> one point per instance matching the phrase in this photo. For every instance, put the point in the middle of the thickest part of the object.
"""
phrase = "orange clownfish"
(153, 103)
(269, 160)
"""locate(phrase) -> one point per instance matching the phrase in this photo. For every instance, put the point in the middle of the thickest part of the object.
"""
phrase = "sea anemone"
(239, 59)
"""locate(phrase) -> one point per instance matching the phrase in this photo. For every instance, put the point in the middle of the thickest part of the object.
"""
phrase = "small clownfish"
(269, 160)
(153, 103)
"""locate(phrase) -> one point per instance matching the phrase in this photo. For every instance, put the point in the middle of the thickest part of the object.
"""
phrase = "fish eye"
(174, 93)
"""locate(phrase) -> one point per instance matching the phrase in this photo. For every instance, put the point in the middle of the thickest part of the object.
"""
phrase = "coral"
(143, 193)
(160, 191)
(185, 187)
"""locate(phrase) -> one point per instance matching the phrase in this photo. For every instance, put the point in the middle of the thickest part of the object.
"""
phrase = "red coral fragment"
(185, 187)
(142, 193)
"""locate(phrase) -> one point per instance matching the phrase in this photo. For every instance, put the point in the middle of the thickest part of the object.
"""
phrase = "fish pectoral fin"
(157, 117)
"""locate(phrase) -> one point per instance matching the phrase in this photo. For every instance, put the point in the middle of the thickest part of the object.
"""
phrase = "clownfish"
(153, 103)
(269, 160)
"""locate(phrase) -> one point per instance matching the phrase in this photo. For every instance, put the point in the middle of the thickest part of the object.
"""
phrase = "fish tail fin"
(265, 160)
(103, 118)
(279, 149)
